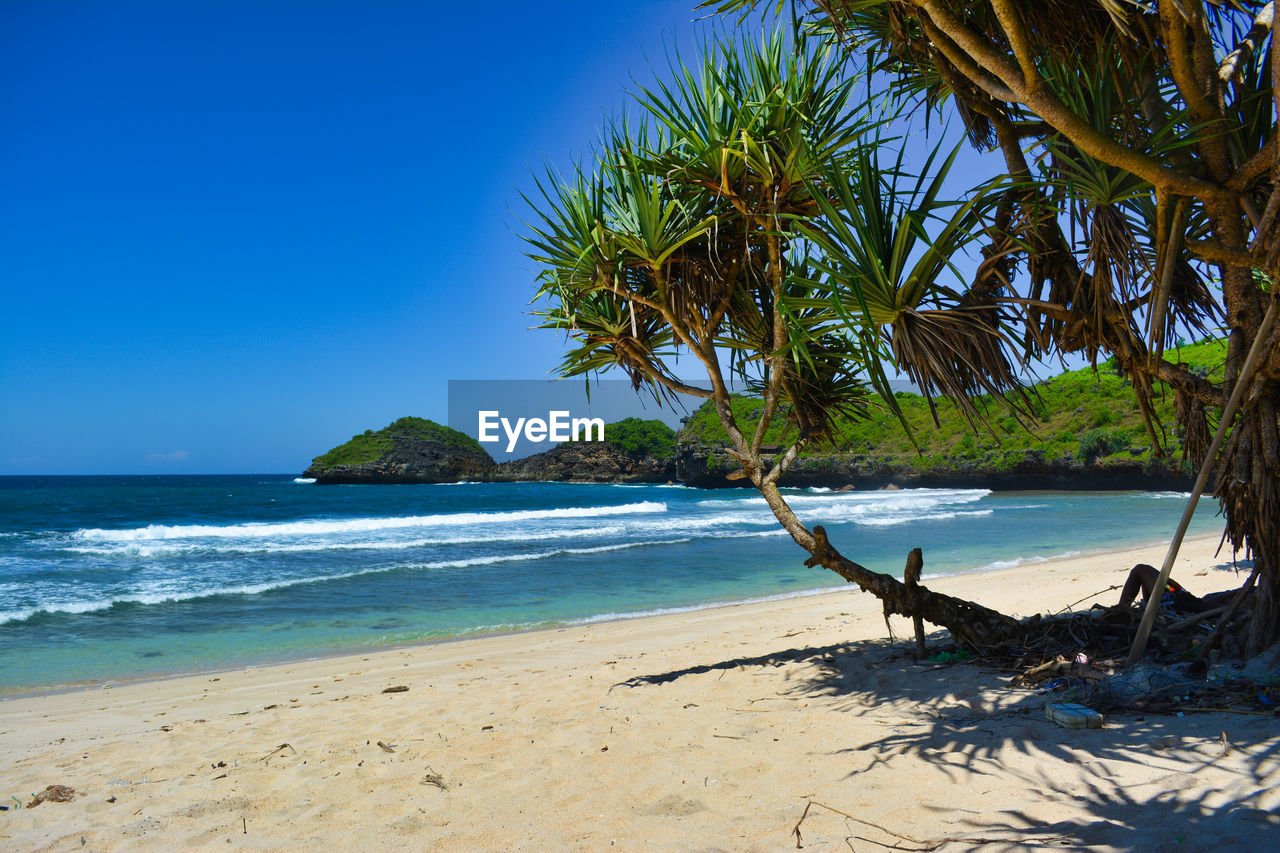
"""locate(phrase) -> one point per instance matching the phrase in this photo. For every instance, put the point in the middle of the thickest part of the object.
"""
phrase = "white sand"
(741, 716)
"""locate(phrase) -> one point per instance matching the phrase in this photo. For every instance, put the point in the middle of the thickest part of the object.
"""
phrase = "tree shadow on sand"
(1142, 782)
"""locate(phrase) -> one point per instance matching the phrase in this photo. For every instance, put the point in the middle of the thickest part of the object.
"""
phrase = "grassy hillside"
(1089, 416)
(642, 437)
(370, 446)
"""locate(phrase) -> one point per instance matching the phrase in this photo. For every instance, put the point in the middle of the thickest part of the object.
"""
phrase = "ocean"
(104, 579)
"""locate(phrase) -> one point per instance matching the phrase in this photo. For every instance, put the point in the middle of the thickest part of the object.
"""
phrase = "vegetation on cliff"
(370, 446)
(1082, 414)
(638, 437)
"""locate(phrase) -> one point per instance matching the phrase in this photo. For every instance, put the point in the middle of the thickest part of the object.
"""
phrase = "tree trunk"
(1248, 485)
(973, 626)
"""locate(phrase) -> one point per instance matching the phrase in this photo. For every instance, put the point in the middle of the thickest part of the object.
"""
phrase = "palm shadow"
(1202, 785)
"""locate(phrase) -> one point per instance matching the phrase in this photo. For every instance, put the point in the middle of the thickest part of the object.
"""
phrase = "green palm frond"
(889, 244)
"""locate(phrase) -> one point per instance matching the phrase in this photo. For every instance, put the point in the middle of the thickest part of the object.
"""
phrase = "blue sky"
(233, 234)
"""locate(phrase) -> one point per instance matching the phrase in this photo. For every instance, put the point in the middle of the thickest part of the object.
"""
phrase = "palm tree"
(1143, 199)
(745, 220)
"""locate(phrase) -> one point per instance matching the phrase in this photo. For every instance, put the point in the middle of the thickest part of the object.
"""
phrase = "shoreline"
(708, 729)
(7, 694)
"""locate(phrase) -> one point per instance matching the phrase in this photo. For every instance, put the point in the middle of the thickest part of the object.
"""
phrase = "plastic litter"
(1137, 685)
(1069, 715)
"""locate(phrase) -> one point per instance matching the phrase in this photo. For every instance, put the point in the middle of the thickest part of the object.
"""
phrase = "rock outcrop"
(410, 450)
(587, 462)
(414, 450)
(707, 468)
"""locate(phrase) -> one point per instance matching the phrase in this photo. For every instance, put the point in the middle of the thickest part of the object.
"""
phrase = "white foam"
(903, 498)
(358, 525)
(134, 549)
(1022, 561)
(164, 592)
(891, 520)
(304, 479)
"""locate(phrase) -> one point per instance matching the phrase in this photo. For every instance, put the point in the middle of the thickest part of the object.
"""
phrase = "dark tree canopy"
(760, 217)
(1143, 201)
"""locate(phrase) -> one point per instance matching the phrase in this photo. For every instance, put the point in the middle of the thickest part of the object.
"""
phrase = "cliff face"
(586, 462)
(706, 468)
(411, 450)
(410, 462)
(414, 450)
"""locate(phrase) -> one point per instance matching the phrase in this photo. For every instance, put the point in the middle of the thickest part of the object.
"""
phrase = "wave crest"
(321, 527)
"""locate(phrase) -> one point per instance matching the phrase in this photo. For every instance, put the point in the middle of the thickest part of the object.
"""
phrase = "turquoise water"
(110, 578)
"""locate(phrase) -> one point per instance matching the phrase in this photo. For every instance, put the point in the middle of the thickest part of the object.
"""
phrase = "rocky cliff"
(410, 450)
(587, 462)
(707, 468)
(415, 450)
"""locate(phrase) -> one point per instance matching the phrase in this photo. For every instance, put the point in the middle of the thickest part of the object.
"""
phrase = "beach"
(709, 729)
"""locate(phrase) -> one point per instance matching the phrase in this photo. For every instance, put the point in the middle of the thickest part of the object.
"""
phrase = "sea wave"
(357, 525)
(176, 549)
(891, 520)
(304, 479)
(898, 498)
(162, 593)
(997, 565)
(874, 509)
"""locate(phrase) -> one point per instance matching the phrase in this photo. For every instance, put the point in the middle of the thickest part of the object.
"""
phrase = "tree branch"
(1190, 383)
(1057, 114)
(1233, 61)
(957, 56)
(1015, 30)
(1224, 255)
(781, 465)
(1258, 164)
(681, 388)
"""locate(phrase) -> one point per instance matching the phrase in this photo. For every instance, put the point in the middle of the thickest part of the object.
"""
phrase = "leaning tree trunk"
(972, 626)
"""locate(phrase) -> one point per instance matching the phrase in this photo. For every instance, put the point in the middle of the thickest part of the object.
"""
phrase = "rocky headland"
(708, 467)
(416, 450)
(587, 462)
(410, 450)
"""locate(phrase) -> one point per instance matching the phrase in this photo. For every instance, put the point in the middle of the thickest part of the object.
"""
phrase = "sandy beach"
(708, 730)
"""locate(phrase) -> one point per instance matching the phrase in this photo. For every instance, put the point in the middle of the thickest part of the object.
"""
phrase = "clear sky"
(233, 234)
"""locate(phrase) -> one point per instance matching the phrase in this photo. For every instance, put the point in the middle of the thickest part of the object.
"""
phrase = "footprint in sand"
(675, 806)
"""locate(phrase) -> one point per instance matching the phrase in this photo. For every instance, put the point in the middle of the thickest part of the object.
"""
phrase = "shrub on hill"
(1080, 413)
(370, 446)
(637, 437)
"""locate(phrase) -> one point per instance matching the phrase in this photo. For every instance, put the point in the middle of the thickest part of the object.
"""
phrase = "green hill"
(642, 437)
(1079, 416)
(370, 446)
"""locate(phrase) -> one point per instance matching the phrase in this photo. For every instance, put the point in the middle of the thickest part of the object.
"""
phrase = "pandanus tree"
(1140, 140)
(745, 218)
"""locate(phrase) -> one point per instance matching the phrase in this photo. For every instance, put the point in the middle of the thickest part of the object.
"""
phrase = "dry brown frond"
(955, 352)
